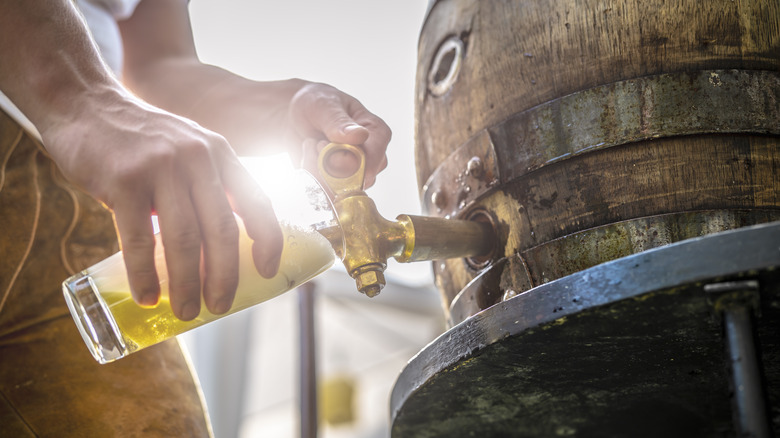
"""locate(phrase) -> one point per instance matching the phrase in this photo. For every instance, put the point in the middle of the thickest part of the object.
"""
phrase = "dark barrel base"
(630, 348)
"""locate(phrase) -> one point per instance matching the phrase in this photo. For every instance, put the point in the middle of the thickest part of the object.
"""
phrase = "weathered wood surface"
(518, 56)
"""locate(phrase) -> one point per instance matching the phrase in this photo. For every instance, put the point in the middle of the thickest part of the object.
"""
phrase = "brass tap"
(370, 239)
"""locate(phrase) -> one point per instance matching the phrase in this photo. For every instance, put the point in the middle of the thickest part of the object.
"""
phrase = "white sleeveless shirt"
(101, 17)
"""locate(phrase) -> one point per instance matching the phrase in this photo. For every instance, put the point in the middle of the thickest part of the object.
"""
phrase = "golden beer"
(306, 254)
(113, 325)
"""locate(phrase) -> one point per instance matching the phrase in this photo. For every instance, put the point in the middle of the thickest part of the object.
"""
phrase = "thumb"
(346, 130)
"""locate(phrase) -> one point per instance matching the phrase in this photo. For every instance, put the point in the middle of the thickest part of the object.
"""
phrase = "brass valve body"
(370, 239)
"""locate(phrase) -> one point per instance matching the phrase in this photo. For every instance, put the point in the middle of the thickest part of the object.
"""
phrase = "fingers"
(192, 191)
(219, 232)
(375, 146)
(373, 136)
(214, 229)
(322, 112)
(371, 177)
(257, 215)
(198, 230)
(181, 239)
(340, 164)
(134, 227)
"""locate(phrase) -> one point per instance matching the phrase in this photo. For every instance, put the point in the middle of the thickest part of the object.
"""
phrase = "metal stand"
(308, 369)
(735, 302)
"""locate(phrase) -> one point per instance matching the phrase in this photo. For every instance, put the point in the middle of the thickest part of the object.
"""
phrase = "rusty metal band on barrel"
(666, 105)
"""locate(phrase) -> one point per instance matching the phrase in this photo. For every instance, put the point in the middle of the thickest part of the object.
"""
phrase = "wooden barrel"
(621, 149)
(589, 130)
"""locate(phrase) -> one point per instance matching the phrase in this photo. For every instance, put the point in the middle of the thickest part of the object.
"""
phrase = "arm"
(161, 65)
(135, 158)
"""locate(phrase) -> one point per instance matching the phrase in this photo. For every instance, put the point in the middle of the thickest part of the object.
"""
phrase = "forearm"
(162, 66)
(251, 115)
(50, 65)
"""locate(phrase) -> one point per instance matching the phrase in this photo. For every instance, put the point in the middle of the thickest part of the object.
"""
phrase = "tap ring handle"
(342, 185)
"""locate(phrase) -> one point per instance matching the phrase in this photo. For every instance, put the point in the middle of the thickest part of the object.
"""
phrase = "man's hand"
(138, 159)
(321, 114)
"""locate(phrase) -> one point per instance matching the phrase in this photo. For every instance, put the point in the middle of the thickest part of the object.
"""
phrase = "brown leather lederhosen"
(49, 383)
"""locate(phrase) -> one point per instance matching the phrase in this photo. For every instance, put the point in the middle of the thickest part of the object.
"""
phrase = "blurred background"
(248, 363)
